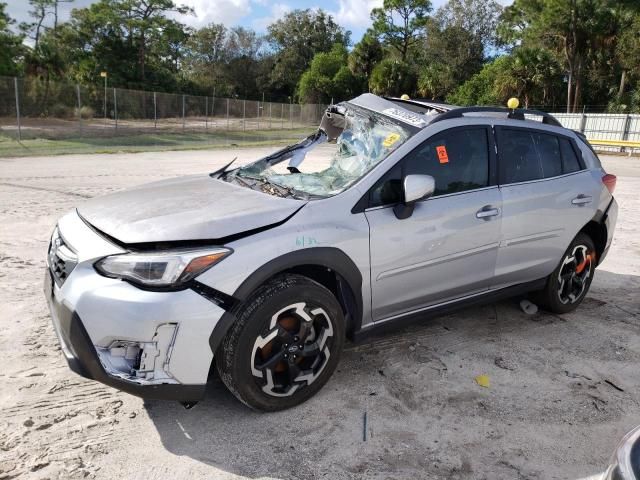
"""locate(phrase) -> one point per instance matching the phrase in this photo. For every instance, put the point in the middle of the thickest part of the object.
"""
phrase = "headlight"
(162, 269)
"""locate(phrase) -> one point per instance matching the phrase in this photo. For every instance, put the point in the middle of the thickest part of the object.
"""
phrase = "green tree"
(480, 88)
(628, 52)
(401, 23)
(451, 55)
(572, 29)
(295, 39)
(328, 78)
(480, 18)
(365, 55)
(11, 49)
(529, 75)
(40, 10)
(146, 21)
(392, 77)
(133, 40)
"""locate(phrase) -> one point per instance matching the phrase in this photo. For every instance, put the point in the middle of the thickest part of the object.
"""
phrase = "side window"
(457, 159)
(570, 162)
(549, 151)
(388, 190)
(518, 158)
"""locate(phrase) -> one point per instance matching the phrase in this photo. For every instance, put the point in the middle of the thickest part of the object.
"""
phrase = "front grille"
(61, 259)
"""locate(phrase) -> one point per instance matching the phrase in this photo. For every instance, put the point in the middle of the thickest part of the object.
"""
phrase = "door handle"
(581, 200)
(487, 212)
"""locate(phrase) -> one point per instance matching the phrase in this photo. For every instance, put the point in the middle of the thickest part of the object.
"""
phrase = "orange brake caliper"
(581, 266)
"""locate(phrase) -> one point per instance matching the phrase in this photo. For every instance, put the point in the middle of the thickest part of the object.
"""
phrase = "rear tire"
(569, 283)
(284, 345)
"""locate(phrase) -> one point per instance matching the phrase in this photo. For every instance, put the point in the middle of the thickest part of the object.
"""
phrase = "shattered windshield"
(351, 143)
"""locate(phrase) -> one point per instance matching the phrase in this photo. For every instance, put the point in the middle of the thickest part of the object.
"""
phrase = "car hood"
(186, 208)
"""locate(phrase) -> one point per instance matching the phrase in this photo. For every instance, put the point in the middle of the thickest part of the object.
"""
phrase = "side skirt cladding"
(348, 284)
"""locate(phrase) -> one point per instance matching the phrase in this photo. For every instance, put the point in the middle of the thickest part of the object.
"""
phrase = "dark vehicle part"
(568, 284)
(285, 344)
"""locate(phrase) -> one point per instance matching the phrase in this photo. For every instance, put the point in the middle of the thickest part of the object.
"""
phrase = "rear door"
(448, 247)
(547, 197)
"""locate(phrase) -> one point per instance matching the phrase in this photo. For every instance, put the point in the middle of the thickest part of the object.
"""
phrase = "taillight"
(609, 182)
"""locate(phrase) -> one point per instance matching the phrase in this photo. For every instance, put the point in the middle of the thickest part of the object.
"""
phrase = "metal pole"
(291, 114)
(206, 113)
(15, 83)
(155, 111)
(244, 108)
(282, 118)
(115, 108)
(183, 119)
(227, 114)
(213, 106)
(270, 116)
(79, 108)
(105, 100)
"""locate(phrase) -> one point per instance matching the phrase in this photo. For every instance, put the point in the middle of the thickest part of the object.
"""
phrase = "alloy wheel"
(294, 350)
(574, 274)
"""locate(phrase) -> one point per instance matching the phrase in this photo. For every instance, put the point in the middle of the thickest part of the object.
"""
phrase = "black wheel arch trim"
(331, 258)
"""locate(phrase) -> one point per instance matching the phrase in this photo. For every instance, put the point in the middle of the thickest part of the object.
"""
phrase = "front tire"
(284, 345)
(569, 283)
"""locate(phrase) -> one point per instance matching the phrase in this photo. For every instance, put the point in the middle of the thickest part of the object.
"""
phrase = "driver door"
(448, 247)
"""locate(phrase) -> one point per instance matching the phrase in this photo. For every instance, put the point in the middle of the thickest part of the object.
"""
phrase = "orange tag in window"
(442, 154)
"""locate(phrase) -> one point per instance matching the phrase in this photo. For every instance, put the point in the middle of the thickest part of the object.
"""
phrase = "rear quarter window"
(570, 162)
(527, 155)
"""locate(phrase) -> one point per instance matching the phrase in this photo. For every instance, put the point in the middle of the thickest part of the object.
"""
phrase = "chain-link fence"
(34, 108)
(37, 108)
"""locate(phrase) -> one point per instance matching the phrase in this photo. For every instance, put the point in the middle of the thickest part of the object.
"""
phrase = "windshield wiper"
(276, 187)
(218, 173)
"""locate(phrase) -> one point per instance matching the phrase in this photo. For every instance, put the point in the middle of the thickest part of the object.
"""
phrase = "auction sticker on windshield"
(391, 139)
(407, 117)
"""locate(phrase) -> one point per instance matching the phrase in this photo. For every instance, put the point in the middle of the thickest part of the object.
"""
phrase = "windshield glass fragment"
(349, 144)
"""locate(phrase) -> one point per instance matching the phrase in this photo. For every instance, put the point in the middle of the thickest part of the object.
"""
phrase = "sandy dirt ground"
(563, 391)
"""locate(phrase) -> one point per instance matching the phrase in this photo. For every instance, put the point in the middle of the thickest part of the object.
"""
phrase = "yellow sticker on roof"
(391, 139)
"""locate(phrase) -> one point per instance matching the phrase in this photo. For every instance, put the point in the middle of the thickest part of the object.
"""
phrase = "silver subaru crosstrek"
(393, 210)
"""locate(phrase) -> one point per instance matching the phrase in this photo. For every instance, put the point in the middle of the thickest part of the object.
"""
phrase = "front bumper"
(150, 344)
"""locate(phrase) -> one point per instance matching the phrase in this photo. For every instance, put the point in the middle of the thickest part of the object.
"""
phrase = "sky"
(256, 14)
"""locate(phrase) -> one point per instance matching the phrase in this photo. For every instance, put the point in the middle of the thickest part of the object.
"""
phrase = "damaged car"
(393, 210)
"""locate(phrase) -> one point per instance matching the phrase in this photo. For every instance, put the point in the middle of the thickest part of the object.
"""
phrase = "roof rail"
(517, 114)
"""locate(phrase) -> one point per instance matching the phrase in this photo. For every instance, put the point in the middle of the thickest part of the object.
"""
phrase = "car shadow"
(424, 410)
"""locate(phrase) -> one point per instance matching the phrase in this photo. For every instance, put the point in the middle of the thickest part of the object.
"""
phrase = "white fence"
(603, 126)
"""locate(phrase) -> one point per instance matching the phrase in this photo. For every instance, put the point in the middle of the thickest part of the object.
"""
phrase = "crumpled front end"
(149, 343)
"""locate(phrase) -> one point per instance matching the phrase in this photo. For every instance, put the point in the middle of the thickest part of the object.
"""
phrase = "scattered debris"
(575, 375)
(609, 382)
(364, 426)
(381, 372)
(132, 415)
(28, 423)
(504, 364)
(483, 380)
(528, 307)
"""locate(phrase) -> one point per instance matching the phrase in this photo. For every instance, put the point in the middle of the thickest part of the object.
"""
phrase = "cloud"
(355, 13)
(278, 10)
(218, 11)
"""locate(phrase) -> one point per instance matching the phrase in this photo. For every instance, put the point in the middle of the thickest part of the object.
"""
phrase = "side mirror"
(414, 189)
